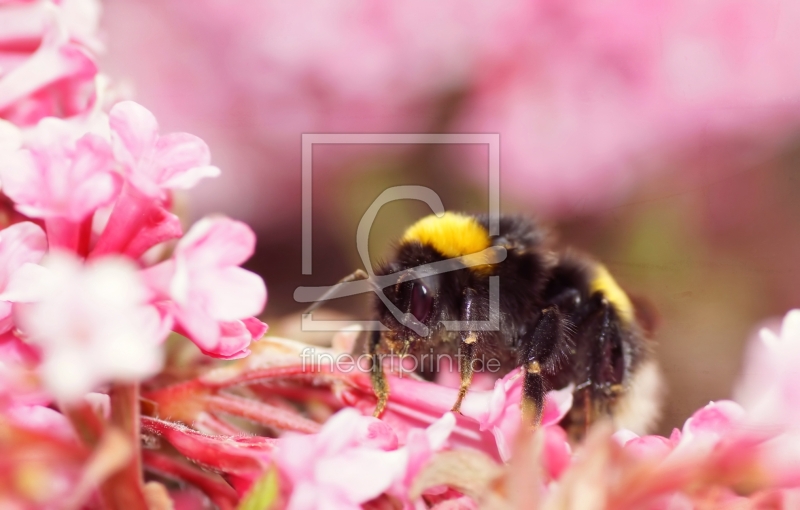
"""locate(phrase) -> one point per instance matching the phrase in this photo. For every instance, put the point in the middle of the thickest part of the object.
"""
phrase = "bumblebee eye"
(421, 301)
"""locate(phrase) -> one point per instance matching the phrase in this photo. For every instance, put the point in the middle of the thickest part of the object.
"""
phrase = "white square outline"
(309, 139)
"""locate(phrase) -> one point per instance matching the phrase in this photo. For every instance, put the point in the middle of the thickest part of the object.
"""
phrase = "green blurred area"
(716, 253)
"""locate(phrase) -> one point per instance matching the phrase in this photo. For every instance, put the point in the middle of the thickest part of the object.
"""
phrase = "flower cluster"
(80, 284)
(47, 64)
(737, 454)
(96, 269)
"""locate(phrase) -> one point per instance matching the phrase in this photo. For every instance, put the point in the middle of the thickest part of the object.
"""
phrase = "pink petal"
(557, 405)
(17, 170)
(440, 430)
(205, 331)
(55, 62)
(59, 176)
(649, 446)
(376, 434)
(716, 418)
(27, 285)
(20, 243)
(134, 132)
(178, 153)
(233, 293)
(158, 277)
(42, 419)
(359, 474)
(557, 452)
(191, 177)
(295, 455)
(93, 194)
(342, 430)
(234, 340)
(217, 242)
(256, 328)
(422, 444)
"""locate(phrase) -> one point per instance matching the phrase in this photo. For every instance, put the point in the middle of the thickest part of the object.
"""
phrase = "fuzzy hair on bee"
(561, 316)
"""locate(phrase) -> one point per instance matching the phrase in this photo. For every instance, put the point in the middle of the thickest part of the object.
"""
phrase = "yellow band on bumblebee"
(452, 235)
(603, 282)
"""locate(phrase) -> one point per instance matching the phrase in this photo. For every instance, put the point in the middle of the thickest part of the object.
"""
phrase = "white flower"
(92, 321)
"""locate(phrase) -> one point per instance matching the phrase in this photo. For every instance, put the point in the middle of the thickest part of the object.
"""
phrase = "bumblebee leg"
(607, 359)
(465, 368)
(378, 378)
(600, 358)
(467, 348)
(540, 358)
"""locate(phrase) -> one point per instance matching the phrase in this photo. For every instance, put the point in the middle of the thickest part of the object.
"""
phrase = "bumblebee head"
(430, 296)
(427, 298)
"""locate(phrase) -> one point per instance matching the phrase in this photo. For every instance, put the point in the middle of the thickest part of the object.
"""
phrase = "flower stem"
(127, 485)
(262, 413)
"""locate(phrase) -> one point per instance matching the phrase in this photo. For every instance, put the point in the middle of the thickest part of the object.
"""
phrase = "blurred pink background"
(661, 136)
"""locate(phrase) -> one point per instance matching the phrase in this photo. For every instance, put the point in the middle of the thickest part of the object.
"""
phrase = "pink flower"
(60, 174)
(707, 427)
(19, 244)
(712, 422)
(499, 410)
(420, 446)
(657, 447)
(354, 459)
(769, 388)
(43, 419)
(92, 322)
(333, 469)
(58, 78)
(154, 163)
(489, 419)
(212, 299)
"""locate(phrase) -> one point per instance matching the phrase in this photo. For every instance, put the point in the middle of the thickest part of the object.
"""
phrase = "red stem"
(262, 413)
(239, 455)
(87, 424)
(126, 487)
(214, 425)
(213, 380)
(298, 394)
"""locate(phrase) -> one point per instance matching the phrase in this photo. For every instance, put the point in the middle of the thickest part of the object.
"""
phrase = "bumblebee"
(560, 315)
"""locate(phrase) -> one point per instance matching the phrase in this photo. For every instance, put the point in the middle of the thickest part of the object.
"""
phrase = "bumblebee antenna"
(358, 274)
